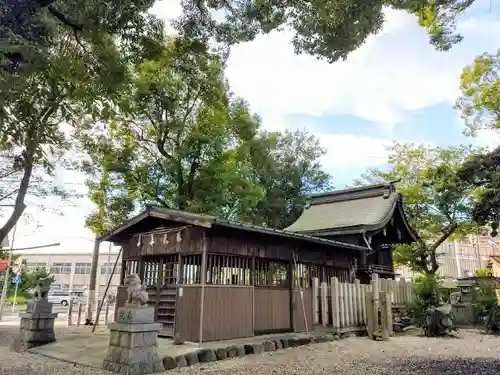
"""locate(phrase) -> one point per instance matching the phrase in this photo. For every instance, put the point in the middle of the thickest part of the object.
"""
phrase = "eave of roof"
(212, 221)
(352, 211)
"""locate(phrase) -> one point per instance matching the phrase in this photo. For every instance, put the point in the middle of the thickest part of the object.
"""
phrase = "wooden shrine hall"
(369, 216)
(211, 279)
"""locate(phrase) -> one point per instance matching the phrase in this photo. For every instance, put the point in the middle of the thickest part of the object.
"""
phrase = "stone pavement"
(85, 348)
(82, 347)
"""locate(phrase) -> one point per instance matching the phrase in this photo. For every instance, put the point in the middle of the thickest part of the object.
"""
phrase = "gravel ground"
(471, 354)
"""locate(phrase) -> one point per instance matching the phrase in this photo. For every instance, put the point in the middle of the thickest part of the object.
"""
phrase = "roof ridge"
(384, 189)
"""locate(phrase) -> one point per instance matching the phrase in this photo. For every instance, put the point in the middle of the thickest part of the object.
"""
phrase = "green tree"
(30, 280)
(31, 29)
(479, 105)
(62, 64)
(437, 203)
(328, 29)
(187, 139)
(181, 140)
(286, 166)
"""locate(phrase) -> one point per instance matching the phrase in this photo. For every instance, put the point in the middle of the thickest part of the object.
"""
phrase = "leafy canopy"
(182, 140)
(479, 105)
(437, 203)
(329, 29)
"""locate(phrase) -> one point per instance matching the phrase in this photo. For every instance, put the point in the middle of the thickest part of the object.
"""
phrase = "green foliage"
(32, 31)
(329, 29)
(286, 167)
(437, 203)
(482, 272)
(181, 140)
(486, 306)
(480, 90)
(428, 311)
(31, 279)
(479, 105)
(20, 299)
(61, 64)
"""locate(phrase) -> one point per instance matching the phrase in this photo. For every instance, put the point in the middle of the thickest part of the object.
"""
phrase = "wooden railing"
(377, 268)
(343, 305)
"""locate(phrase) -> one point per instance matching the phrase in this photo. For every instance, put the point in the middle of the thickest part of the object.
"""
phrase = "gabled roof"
(351, 211)
(163, 214)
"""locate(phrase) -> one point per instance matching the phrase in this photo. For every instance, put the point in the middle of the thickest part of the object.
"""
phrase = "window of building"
(77, 286)
(60, 268)
(107, 269)
(82, 268)
(34, 266)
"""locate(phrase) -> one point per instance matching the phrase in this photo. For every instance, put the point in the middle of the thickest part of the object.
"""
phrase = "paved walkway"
(82, 347)
(87, 349)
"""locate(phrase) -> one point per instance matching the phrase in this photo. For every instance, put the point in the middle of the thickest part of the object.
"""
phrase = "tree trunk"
(432, 250)
(19, 205)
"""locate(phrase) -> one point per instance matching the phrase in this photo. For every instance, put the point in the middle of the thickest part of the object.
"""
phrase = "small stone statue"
(42, 289)
(137, 295)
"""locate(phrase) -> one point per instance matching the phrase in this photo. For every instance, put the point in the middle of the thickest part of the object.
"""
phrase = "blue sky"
(395, 87)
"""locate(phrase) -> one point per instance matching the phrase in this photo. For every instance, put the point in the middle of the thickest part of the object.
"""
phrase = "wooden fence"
(342, 306)
(76, 313)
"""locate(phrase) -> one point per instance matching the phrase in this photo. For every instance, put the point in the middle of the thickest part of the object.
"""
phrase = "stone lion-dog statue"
(137, 296)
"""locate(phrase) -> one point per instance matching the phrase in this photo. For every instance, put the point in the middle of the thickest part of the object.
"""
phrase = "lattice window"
(83, 268)
(60, 268)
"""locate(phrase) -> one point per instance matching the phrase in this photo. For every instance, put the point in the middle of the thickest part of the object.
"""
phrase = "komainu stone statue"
(42, 289)
(137, 296)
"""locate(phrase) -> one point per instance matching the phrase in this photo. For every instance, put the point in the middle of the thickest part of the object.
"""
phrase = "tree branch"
(63, 19)
(446, 233)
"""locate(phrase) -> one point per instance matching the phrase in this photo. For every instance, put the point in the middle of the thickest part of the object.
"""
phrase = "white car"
(61, 297)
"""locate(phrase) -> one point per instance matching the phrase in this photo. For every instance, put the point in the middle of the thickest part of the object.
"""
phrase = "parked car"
(61, 297)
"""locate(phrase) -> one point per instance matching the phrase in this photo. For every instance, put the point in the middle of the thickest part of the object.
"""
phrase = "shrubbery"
(429, 312)
(486, 306)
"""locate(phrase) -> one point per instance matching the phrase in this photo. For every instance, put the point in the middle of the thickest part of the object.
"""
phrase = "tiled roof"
(210, 221)
(351, 210)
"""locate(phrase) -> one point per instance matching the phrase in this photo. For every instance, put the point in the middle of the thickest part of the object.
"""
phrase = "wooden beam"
(198, 221)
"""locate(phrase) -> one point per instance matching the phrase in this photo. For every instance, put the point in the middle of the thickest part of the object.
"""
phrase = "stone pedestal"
(133, 342)
(37, 325)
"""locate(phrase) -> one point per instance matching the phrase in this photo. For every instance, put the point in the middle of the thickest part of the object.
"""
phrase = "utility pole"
(7, 273)
(92, 283)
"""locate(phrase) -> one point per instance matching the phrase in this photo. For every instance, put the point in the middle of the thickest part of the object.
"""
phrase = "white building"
(461, 258)
(71, 269)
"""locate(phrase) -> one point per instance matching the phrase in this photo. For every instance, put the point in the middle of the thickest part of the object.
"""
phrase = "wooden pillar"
(123, 269)
(335, 293)
(141, 268)
(291, 288)
(203, 282)
(315, 299)
(370, 324)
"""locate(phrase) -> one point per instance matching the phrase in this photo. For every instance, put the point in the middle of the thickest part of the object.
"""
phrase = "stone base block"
(133, 361)
(124, 327)
(31, 323)
(39, 306)
(133, 346)
(37, 327)
(136, 315)
(125, 339)
(134, 369)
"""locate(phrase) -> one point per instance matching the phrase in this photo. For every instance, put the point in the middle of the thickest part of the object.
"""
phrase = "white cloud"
(346, 150)
(394, 72)
(488, 138)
